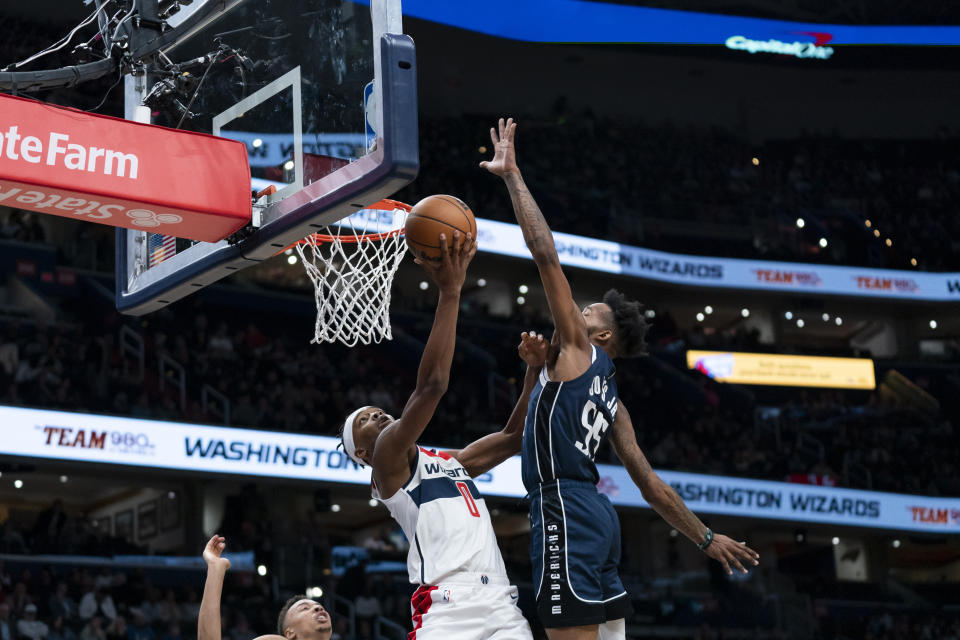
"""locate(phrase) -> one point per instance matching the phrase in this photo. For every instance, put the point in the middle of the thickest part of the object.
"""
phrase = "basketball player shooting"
(463, 589)
(301, 618)
(575, 533)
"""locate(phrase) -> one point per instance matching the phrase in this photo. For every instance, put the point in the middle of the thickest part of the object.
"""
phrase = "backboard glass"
(323, 95)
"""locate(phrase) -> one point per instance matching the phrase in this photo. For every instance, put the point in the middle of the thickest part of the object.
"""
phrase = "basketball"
(435, 215)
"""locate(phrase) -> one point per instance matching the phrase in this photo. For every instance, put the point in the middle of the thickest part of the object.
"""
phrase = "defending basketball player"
(300, 618)
(464, 591)
(575, 532)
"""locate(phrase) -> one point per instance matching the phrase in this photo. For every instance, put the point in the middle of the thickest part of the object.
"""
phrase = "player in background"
(464, 591)
(575, 533)
(300, 618)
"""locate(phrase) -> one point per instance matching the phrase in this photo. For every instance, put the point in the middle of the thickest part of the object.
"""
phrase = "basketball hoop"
(351, 264)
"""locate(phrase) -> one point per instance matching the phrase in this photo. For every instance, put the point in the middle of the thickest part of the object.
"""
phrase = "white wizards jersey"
(445, 520)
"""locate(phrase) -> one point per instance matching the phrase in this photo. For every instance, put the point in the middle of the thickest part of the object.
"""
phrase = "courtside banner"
(93, 439)
(100, 169)
(611, 257)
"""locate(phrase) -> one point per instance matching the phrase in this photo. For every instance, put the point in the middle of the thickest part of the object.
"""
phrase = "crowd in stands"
(273, 379)
(704, 191)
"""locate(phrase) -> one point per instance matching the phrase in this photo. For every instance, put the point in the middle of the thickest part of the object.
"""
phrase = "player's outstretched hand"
(451, 270)
(211, 553)
(533, 348)
(504, 160)
(732, 554)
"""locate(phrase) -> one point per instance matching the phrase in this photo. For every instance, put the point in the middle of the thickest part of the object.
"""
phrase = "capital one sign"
(74, 164)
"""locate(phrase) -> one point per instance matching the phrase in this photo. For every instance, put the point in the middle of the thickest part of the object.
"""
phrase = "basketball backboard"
(323, 95)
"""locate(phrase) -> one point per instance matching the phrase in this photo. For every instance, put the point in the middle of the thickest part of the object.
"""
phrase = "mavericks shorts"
(468, 607)
(575, 550)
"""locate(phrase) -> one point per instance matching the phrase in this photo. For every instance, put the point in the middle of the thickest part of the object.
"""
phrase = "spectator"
(48, 527)
(172, 632)
(168, 611)
(96, 602)
(61, 604)
(93, 630)
(6, 627)
(139, 628)
(60, 631)
(29, 627)
(117, 630)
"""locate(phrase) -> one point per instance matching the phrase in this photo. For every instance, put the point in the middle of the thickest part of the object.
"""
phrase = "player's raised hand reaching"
(732, 554)
(211, 553)
(504, 160)
(450, 271)
(533, 348)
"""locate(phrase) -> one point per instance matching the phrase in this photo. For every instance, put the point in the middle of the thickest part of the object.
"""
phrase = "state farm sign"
(74, 164)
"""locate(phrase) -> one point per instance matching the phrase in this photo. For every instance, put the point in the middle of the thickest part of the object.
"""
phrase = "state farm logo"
(900, 285)
(59, 204)
(778, 276)
(935, 516)
(147, 218)
(98, 439)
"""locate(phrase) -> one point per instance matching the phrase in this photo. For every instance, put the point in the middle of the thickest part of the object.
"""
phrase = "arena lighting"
(481, 282)
(913, 261)
(291, 259)
(700, 317)
(788, 315)
(650, 313)
(521, 300)
(838, 321)
(18, 484)
(745, 312)
(482, 149)
(933, 324)
(823, 243)
(372, 502)
(888, 242)
(835, 541)
(673, 533)
(172, 495)
(523, 288)
(800, 537)
(826, 317)
(288, 252)
(801, 223)
(800, 322)
(261, 570)
(257, 143)
(876, 233)
(63, 479)
(708, 309)
(895, 544)
(314, 592)
(868, 223)
(288, 165)
(756, 161)
(335, 508)
(424, 285)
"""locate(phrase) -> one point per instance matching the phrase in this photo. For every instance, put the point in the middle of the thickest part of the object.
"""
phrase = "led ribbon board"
(583, 21)
(784, 371)
(107, 440)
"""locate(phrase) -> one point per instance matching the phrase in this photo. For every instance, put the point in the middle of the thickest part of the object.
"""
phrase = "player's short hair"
(282, 618)
(629, 326)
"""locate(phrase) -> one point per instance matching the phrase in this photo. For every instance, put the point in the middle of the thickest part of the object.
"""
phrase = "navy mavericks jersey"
(567, 421)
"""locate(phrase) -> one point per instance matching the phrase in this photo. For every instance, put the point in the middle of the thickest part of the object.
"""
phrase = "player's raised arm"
(669, 505)
(487, 452)
(208, 620)
(434, 372)
(539, 239)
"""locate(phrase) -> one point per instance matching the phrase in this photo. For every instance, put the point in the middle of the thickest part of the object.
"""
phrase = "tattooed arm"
(666, 502)
(571, 329)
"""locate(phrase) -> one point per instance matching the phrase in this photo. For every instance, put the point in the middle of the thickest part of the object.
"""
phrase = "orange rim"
(384, 205)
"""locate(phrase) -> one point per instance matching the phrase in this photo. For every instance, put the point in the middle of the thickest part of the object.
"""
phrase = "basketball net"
(351, 264)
